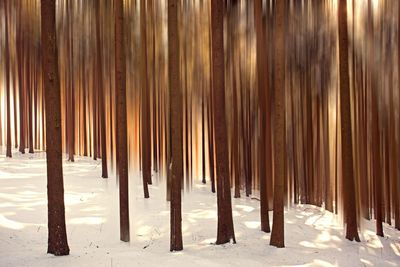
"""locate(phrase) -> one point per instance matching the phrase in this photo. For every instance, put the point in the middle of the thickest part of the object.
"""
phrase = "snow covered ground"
(313, 237)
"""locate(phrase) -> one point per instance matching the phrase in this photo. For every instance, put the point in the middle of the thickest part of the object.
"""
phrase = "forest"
(207, 128)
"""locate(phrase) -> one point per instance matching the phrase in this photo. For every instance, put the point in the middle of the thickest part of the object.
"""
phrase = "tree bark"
(100, 88)
(121, 149)
(348, 179)
(21, 91)
(277, 235)
(396, 163)
(57, 242)
(146, 131)
(265, 162)
(7, 72)
(225, 221)
(176, 128)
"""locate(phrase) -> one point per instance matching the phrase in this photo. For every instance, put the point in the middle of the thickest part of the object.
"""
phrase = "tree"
(225, 221)
(57, 243)
(176, 128)
(265, 160)
(121, 149)
(345, 115)
(21, 91)
(146, 146)
(7, 52)
(100, 88)
(277, 235)
(397, 183)
(70, 92)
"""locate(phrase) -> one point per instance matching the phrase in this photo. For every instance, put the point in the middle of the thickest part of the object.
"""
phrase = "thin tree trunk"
(121, 149)
(20, 83)
(7, 72)
(146, 131)
(396, 163)
(100, 88)
(264, 148)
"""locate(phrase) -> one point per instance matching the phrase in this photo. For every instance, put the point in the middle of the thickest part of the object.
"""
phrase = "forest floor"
(313, 237)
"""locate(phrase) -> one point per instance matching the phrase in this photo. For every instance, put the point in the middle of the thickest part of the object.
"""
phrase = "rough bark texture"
(176, 164)
(121, 149)
(225, 221)
(345, 115)
(265, 162)
(277, 235)
(57, 243)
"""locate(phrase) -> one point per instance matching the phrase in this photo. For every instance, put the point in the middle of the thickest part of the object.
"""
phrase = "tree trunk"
(176, 128)
(21, 91)
(121, 149)
(100, 88)
(348, 179)
(225, 221)
(397, 183)
(146, 131)
(57, 243)
(264, 164)
(7, 72)
(277, 235)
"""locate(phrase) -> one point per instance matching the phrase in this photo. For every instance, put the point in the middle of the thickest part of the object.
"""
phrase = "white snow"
(313, 236)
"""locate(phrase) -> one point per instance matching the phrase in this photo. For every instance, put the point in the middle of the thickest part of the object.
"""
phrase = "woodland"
(189, 114)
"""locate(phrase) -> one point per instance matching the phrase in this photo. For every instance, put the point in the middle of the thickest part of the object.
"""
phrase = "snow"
(313, 237)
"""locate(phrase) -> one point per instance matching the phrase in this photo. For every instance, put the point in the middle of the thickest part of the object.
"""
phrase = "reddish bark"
(57, 243)
(121, 149)
(225, 221)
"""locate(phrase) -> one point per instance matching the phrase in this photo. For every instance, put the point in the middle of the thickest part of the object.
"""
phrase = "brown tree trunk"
(210, 120)
(100, 88)
(121, 149)
(397, 183)
(265, 170)
(203, 138)
(154, 89)
(20, 83)
(14, 75)
(176, 128)
(225, 221)
(376, 145)
(57, 243)
(146, 131)
(29, 106)
(277, 235)
(348, 179)
(7, 72)
(70, 81)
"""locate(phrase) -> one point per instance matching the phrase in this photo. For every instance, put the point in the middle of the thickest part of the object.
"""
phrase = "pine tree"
(176, 128)
(7, 61)
(57, 243)
(225, 221)
(121, 149)
(277, 235)
(265, 161)
(145, 112)
(100, 88)
(345, 115)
